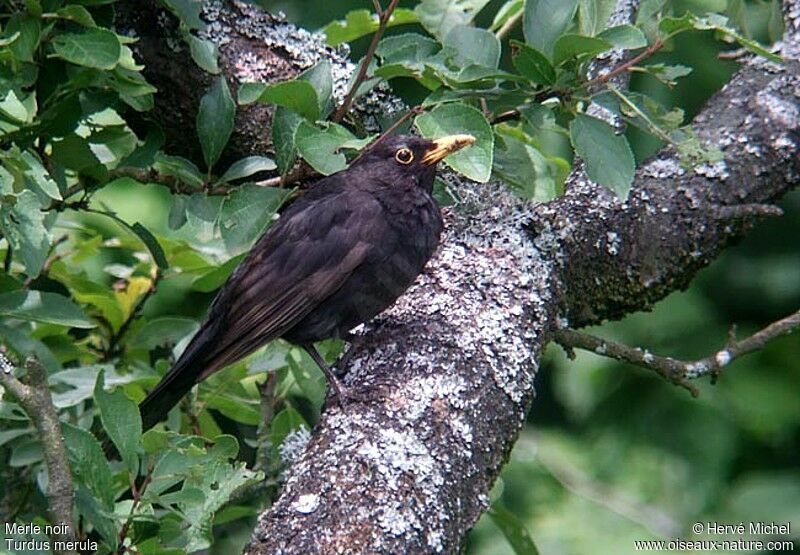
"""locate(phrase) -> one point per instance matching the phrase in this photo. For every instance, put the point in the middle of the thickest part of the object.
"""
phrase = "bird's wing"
(303, 259)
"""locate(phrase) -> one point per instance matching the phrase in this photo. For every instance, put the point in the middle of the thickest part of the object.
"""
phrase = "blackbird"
(336, 257)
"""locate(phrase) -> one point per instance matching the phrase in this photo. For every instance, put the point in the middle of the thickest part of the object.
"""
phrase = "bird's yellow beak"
(446, 146)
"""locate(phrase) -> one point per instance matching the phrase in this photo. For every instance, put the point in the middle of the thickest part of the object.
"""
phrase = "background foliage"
(107, 277)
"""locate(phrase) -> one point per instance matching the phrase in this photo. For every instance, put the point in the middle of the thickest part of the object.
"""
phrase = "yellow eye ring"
(404, 156)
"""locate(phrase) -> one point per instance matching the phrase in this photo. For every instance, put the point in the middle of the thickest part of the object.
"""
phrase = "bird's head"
(404, 156)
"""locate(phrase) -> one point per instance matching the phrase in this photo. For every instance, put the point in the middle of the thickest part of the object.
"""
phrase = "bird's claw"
(343, 396)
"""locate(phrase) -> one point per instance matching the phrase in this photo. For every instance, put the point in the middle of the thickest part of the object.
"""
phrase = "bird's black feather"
(335, 258)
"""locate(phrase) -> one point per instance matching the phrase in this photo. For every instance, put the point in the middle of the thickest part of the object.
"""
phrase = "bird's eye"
(404, 156)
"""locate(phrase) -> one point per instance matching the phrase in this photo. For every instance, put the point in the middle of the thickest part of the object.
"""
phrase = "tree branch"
(679, 372)
(35, 399)
(383, 21)
(670, 369)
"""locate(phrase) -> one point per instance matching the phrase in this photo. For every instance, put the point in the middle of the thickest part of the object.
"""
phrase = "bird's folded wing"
(287, 274)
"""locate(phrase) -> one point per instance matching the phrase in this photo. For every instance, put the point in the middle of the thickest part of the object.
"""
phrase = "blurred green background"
(611, 453)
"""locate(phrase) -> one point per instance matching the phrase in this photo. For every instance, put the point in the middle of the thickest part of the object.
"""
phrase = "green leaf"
(508, 10)
(121, 421)
(514, 530)
(668, 74)
(526, 170)
(188, 11)
(713, 22)
(571, 46)
(624, 36)
(438, 17)
(179, 168)
(163, 331)
(321, 147)
(88, 464)
(39, 306)
(284, 125)
(358, 23)
(246, 213)
(285, 422)
(204, 53)
(545, 20)
(75, 152)
(78, 14)
(532, 64)
(247, 167)
(29, 29)
(309, 377)
(213, 279)
(215, 120)
(474, 162)
(218, 483)
(321, 79)
(95, 48)
(22, 224)
(593, 15)
(473, 45)
(152, 245)
(80, 382)
(298, 96)
(145, 236)
(14, 109)
(608, 157)
(409, 47)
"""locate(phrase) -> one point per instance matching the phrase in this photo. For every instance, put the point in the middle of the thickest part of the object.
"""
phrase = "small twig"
(49, 261)
(416, 110)
(383, 21)
(303, 172)
(670, 369)
(267, 394)
(623, 67)
(137, 496)
(733, 54)
(35, 398)
(674, 370)
(150, 175)
(510, 23)
(508, 115)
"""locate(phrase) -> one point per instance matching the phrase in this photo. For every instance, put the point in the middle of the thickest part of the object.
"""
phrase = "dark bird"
(338, 256)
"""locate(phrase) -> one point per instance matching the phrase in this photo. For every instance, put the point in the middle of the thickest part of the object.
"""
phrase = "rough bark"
(254, 46)
(451, 366)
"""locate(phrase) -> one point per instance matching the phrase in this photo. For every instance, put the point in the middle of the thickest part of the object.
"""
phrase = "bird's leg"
(355, 341)
(342, 395)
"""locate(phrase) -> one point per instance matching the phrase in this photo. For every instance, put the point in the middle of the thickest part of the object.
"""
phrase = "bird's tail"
(169, 391)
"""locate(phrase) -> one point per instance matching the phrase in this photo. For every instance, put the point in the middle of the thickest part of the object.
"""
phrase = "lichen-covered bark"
(450, 368)
(254, 46)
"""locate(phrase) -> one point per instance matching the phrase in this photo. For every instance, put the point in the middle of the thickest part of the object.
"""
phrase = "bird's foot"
(340, 366)
(344, 396)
